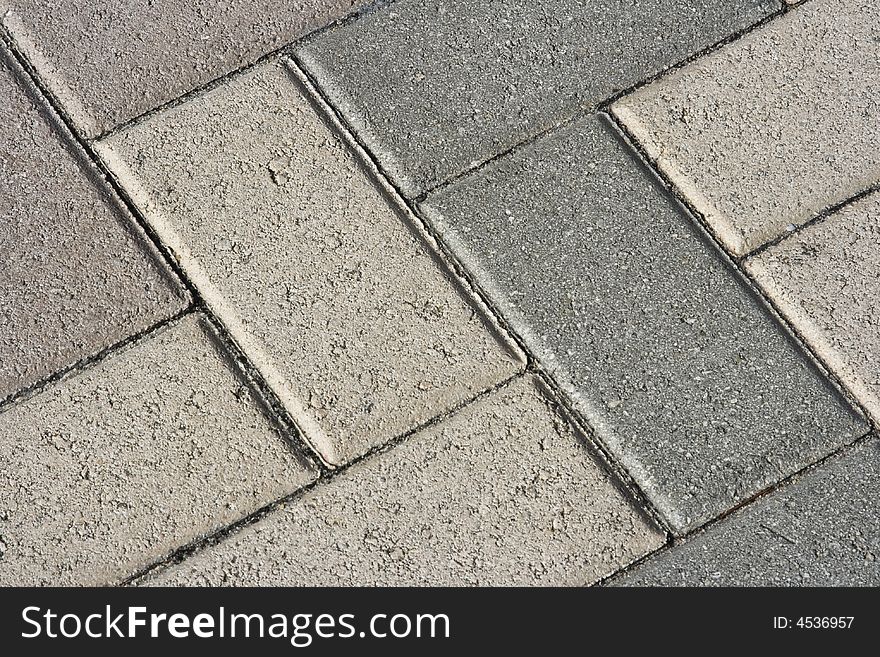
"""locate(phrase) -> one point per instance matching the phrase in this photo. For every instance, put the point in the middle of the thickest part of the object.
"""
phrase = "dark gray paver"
(677, 365)
(75, 274)
(771, 129)
(826, 280)
(503, 492)
(823, 530)
(433, 86)
(111, 60)
(113, 468)
(333, 297)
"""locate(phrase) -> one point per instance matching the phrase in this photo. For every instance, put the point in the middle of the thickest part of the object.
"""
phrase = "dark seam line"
(779, 487)
(277, 53)
(699, 221)
(601, 106)
(180, 554)
(827, 213)
(87, 363)
(610, 461)
(253, 376)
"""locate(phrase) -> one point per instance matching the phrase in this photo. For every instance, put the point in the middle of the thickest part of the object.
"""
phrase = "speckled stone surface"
(76, 275)
(336, 300)
(823, 530)
(433, 86)
(826, 279)
(115, 467)
(111, 60)
(676, 364)
(503, 492)
(770, 130)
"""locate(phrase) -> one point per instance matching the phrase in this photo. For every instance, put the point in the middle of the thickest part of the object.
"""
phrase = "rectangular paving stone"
(826, 279)
(111, 60)
(823, 530)
(433, 86)
(755, 163)
(336, 300)
(501, 493)
(676, 364)
(76, 275)
(111, 469)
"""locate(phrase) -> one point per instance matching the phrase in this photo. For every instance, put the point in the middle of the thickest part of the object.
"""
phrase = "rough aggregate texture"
(679, 368)
(826, 279)
(113, 468)
(112, 60)
(823, 530)
(76, 275)
(768, 131)
(338, 303)
(501, 493)
(434, 86)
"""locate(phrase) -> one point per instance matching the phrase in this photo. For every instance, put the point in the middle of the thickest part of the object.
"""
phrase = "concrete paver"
(770, 130)
(682, 372)
(315, 274)
(76, 275)
(503, 492)
(826, 279)
(435, 85)
(823, 530)
(113, 468)
(112, 60)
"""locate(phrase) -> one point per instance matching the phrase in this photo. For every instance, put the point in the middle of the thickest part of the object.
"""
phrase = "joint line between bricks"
(699, 221)
(250, 372)
(590, 437)
(778, 487)
(180, 554)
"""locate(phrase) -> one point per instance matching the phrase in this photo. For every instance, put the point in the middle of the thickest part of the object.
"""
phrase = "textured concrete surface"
(826, 279)
(772, 129)
(503, 492)
(316, 275)
(433, 86)
(115, 467)
(824, 530)
(75, 274)
(111, 60)
(680, 370)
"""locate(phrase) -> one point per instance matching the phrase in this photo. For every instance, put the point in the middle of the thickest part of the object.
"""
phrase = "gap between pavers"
(756, 164)
(113, 468)
(684, 374)
(503, 492)
(329, 290)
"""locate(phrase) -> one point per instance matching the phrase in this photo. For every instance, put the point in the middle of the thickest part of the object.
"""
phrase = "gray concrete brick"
(75, 274)
(111, 60)
(155, 446)
(756, 162)
(334, 298)
(502, 493)
(826, 279)
(823, 530)
(678, 366)
(435, 85)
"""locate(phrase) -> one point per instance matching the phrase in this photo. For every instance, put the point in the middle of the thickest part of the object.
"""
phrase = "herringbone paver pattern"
(433, 292)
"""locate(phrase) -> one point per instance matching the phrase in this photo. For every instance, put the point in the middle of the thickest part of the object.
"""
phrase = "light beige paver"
(771, 129)
(503, 492)
(113, 468)
(826, 279)
(335, 299)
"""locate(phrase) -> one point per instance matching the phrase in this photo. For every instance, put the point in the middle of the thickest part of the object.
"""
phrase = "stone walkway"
(440, 292)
